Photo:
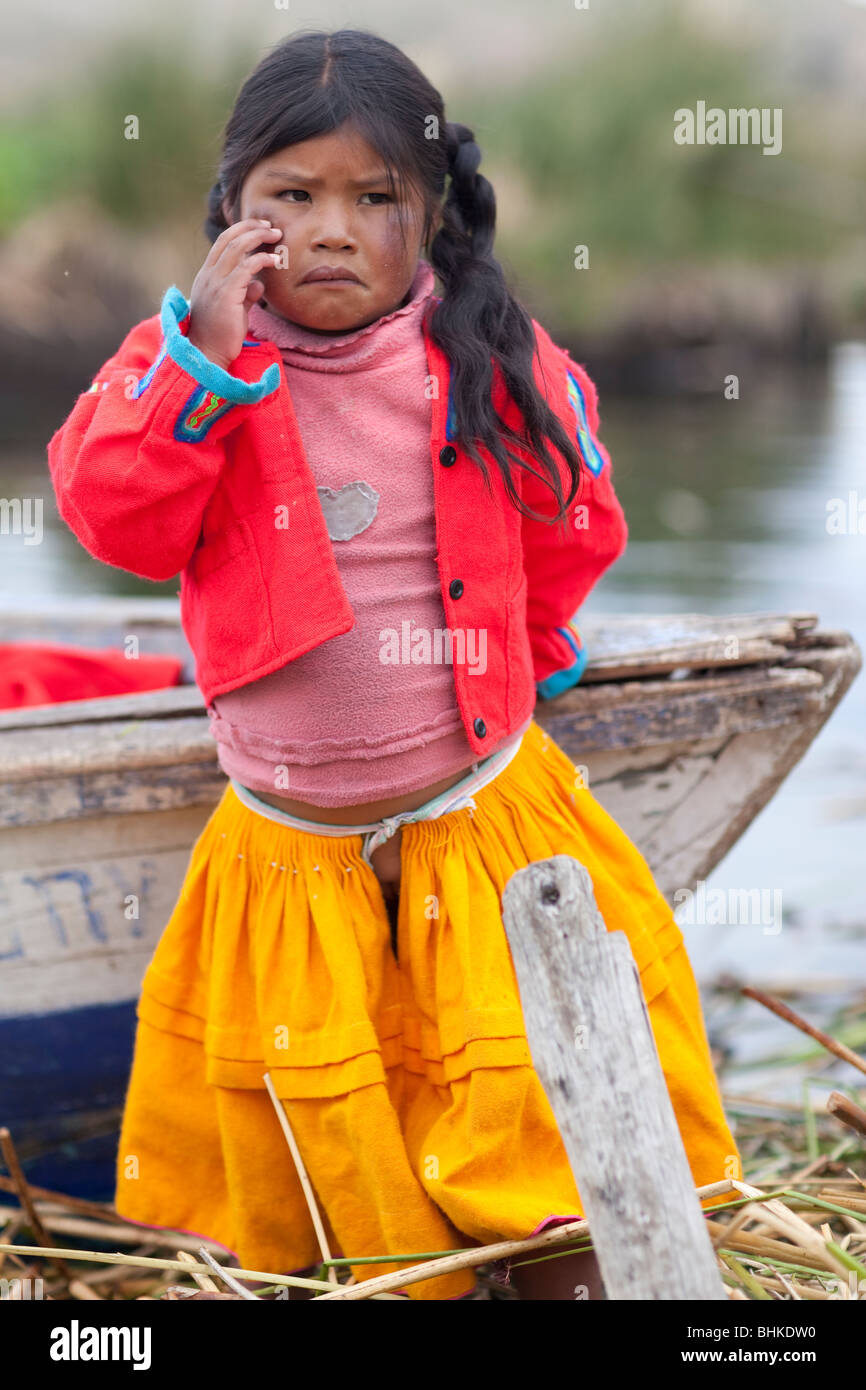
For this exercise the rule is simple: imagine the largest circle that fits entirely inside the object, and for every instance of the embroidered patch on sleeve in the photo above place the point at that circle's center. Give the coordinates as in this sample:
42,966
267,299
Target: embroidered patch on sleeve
200,411
571,633
588,446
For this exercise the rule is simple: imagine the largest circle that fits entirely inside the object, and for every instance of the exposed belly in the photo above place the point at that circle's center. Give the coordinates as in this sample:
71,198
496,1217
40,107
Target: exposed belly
364,811
385,859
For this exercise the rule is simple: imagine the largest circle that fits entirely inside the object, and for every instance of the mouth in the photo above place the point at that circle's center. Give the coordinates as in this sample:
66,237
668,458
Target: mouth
330,275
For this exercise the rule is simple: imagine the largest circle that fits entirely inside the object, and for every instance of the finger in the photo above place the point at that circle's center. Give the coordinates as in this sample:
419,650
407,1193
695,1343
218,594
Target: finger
241,244
225,238
255,290
246,224
243,273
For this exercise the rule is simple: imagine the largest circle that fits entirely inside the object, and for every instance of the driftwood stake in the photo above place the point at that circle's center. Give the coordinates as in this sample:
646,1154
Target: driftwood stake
593,1049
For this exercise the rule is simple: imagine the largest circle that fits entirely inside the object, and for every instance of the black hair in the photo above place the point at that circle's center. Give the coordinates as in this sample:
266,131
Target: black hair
314,82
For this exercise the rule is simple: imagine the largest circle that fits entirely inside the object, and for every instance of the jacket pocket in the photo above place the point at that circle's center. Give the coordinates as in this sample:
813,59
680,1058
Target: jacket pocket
225,605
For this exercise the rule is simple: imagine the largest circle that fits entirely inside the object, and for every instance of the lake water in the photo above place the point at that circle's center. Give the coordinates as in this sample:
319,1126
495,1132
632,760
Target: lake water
727,503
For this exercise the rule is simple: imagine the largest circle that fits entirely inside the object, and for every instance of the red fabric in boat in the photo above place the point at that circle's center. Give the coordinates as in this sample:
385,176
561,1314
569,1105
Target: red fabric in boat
43,673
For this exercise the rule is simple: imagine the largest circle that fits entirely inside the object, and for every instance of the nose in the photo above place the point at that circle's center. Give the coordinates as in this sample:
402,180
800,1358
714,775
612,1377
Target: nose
332,230
335,241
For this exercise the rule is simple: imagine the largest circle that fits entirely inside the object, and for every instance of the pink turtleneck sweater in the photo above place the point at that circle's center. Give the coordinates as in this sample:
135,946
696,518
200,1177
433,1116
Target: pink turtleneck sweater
369,714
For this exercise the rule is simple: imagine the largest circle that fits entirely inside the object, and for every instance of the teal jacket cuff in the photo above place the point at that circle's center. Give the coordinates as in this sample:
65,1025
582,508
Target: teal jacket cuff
174,310
568,676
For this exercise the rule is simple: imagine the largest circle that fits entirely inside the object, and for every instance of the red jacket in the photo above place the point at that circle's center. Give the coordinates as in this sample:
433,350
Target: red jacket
169,465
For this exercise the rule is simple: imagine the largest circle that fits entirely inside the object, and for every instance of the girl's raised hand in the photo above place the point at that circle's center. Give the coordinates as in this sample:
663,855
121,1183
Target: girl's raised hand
225,289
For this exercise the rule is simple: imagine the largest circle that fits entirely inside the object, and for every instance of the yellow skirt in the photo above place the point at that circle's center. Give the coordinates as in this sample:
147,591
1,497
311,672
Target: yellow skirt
407,1080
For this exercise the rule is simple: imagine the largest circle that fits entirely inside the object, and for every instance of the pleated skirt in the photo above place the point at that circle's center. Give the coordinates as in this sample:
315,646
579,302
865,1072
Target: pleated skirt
406,1077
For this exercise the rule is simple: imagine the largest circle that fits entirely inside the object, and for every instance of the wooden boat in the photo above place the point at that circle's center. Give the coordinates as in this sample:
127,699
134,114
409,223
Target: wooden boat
683,727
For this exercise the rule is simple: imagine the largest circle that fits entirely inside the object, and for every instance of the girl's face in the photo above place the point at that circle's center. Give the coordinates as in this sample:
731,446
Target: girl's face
329,198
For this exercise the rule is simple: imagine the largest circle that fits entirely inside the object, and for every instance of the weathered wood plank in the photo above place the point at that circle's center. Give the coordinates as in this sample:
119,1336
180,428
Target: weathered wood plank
682,765
100,837
118,791
684,804
617,715
112,746
617,645
619,634
748,774
593,1049
135,765
689,656
640,713
80,915
83,932
620,647
141,704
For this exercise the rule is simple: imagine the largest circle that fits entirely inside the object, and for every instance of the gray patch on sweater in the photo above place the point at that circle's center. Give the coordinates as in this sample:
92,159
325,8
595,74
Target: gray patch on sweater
348,511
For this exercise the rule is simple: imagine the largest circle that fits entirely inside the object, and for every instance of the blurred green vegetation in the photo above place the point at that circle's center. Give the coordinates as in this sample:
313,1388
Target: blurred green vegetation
72,142
590,140
594,143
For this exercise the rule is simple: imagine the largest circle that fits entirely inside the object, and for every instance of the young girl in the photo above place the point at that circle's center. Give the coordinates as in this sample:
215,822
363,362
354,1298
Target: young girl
357,481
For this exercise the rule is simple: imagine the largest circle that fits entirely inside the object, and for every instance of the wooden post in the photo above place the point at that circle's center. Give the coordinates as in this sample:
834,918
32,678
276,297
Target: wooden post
594,1052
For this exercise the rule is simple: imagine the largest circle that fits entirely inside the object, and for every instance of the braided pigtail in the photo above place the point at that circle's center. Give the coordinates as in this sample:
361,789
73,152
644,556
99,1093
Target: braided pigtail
478,320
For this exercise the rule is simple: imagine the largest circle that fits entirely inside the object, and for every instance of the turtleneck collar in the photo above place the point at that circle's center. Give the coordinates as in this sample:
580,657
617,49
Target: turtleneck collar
361,347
